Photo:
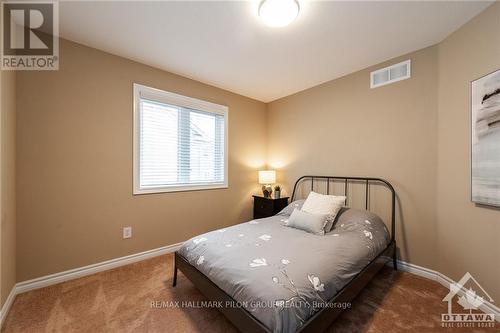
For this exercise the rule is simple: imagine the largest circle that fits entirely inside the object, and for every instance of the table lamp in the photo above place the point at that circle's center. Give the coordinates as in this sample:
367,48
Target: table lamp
266,178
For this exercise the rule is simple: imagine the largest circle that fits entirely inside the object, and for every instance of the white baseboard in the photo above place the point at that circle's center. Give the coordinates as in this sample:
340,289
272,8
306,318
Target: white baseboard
417,270
445,281
71,274
52,279
49,280
6,306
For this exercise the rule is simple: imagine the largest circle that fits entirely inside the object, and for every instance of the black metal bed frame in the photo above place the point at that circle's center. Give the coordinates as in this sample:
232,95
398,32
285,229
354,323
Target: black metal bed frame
322,319
367,182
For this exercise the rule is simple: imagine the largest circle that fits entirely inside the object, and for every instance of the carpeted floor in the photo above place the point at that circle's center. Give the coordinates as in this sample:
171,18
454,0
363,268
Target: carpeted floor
120,301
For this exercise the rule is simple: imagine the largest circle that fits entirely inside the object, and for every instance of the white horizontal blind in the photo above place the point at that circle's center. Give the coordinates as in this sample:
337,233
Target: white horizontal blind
178,146
159,141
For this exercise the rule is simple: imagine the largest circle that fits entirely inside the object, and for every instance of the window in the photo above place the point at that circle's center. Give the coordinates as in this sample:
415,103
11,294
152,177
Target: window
180,143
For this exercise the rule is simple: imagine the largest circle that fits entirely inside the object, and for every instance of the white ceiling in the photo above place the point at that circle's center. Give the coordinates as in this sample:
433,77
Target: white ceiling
225,44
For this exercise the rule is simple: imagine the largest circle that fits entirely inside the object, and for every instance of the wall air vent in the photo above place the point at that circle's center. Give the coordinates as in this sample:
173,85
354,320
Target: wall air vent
391,74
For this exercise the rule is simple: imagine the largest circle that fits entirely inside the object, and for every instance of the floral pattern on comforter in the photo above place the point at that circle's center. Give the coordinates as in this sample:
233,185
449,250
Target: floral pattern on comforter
284,275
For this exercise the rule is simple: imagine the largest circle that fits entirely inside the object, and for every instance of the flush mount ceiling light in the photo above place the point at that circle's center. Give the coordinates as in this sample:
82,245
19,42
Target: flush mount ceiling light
278,13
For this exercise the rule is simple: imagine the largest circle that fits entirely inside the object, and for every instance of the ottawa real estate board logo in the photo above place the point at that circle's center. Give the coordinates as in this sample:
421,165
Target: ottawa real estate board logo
30,31
468,305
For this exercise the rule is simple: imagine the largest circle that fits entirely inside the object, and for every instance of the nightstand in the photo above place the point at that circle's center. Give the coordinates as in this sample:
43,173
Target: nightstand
265,207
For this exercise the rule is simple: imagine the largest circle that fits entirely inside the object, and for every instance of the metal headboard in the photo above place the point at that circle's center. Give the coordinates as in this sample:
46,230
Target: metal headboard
346,180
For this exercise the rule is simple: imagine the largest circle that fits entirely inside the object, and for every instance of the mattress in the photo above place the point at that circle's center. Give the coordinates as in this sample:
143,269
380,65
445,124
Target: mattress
282,275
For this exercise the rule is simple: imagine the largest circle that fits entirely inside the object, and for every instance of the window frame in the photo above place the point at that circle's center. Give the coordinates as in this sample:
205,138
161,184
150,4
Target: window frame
182,101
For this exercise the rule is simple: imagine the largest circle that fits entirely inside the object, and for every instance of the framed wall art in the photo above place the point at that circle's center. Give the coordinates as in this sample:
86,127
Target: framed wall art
485,141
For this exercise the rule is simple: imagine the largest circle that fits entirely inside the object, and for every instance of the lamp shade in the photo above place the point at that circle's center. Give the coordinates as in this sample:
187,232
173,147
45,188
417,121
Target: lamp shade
267,177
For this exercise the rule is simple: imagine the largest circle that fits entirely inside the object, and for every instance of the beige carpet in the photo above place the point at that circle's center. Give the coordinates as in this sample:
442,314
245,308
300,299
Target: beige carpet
120,301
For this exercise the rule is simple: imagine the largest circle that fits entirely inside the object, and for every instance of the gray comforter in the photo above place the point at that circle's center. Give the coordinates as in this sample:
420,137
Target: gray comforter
284,275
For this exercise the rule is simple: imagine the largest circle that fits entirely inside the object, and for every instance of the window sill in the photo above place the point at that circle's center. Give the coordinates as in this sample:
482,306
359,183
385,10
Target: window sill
184,188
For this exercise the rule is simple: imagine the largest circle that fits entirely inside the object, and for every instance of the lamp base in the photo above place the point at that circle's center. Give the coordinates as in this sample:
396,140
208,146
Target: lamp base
267,190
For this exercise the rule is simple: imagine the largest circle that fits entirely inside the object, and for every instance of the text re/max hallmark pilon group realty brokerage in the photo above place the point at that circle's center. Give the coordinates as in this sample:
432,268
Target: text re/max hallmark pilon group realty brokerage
247,305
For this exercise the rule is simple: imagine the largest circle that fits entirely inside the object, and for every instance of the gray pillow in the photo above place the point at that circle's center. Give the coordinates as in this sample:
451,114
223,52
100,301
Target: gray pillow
349,216
288,210
313,223
332,219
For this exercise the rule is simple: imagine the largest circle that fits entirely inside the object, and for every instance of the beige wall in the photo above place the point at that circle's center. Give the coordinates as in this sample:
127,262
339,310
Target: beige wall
415,134
343,127
74,153
75,164
7,184
468,235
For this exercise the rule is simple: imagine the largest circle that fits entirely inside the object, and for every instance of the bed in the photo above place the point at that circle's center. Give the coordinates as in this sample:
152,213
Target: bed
267,277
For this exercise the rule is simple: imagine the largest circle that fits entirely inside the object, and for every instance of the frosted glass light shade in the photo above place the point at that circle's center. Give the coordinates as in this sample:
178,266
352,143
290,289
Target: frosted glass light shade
267,177
278,13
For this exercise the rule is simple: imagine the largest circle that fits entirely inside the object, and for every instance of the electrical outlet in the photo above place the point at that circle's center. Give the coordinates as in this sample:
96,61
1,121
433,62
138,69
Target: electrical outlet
127,232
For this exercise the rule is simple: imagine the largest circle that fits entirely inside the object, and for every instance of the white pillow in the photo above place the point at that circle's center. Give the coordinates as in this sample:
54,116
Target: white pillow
313,223
323,204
